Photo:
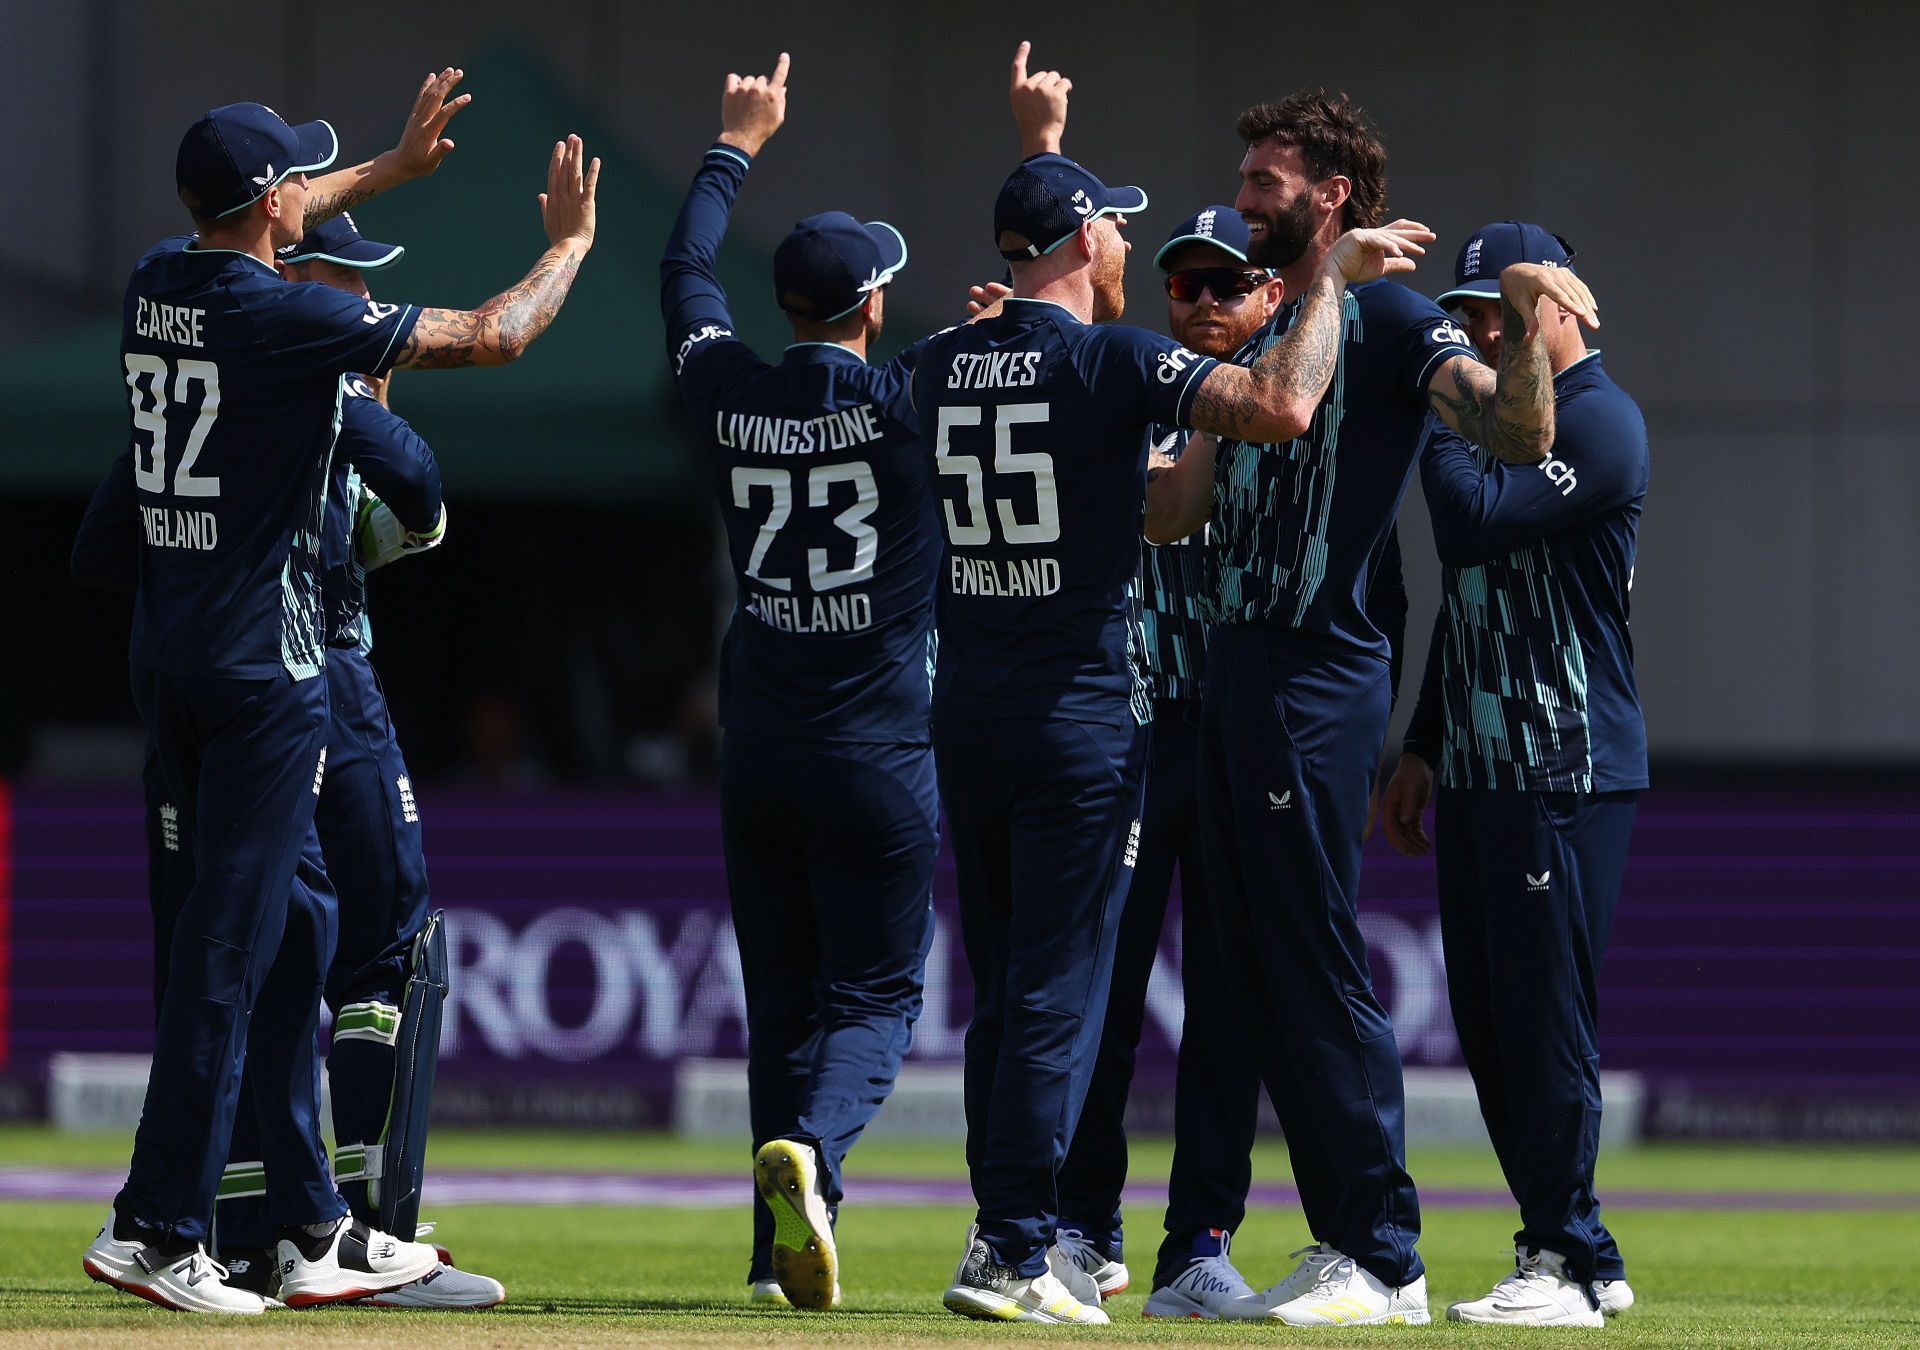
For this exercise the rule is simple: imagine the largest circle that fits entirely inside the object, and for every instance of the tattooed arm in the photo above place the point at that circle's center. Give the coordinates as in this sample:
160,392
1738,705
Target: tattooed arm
500,330
1511,414
1274,399
419,153
1179,491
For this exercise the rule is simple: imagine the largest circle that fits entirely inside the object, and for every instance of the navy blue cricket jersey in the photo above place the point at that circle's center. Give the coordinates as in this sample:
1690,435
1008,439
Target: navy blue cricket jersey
1173,581
234,384
1299,528
1040,424
379,449
1529,683
823,490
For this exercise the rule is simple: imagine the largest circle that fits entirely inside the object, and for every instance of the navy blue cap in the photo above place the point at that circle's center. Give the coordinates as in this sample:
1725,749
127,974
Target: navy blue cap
232,155
1491,249
828,264
339,241
1048,198
1218,226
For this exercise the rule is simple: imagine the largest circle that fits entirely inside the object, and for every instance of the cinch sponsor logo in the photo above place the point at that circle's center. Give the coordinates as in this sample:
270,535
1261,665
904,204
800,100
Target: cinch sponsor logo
698,335
1173,363
1561,472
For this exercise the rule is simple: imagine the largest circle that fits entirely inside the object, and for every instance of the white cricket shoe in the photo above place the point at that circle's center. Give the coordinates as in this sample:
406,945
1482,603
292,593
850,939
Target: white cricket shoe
767,1294
1109,1277
985,1289
1613,1296
1254,1307
444,1286
1536,1293
350,1262
1345,1295
805,1264
185,1279
1206,1289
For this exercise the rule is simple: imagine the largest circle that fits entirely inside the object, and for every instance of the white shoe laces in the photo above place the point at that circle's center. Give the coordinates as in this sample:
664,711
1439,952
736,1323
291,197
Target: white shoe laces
200,1264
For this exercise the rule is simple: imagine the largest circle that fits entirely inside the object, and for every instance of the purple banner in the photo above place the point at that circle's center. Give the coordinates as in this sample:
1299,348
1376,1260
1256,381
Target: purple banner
1764,974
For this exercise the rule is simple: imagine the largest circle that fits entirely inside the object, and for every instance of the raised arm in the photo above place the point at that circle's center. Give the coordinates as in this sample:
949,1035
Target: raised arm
501,329
1039,104
1274,399
752,109
1511,413
422,146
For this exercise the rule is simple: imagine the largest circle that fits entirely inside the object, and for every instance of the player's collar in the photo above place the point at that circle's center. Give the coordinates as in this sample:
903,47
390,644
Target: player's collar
191,246
819,351
1591,357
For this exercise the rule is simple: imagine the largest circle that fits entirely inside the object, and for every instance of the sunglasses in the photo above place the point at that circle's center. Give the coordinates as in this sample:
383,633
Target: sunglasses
1226,283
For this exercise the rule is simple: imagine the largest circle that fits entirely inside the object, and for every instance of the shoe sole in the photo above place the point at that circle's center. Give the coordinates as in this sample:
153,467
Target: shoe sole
154,1296
805,1264
363,1287
987,1307
1410,1319
1453,1315
377,1302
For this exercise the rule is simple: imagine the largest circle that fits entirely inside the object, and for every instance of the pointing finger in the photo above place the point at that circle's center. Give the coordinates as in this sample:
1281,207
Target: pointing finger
780,71
1020,60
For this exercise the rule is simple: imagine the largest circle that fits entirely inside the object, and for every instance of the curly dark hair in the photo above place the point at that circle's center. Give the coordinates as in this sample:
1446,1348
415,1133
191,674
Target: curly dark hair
1334,137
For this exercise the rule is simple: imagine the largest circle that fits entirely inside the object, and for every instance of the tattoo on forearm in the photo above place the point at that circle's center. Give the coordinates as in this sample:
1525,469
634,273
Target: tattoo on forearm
1293,371
1511,414
322,207
498,331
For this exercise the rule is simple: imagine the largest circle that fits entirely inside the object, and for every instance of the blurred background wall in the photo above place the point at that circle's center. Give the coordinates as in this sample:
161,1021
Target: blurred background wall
1734,191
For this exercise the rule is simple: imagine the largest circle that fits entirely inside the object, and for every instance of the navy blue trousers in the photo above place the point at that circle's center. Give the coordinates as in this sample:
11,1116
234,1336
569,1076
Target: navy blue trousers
1528,886
1217,1086
1045,818
830,851
241,762
368,832
1291,736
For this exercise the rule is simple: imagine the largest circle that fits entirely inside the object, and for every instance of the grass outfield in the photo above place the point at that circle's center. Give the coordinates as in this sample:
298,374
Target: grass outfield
1752,1277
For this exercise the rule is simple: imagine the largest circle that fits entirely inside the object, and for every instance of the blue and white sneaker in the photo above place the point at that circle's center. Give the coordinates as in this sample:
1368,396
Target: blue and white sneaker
1208,1287
1109,1276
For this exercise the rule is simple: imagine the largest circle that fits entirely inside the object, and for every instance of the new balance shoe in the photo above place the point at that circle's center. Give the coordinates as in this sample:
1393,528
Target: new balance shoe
346,1261
1343,1294
1613,1296
444,1286
985,1289
1312,1260
1207,1288
1535,1293
176,1274
767,1294
805,1264
255,1270
1109,1276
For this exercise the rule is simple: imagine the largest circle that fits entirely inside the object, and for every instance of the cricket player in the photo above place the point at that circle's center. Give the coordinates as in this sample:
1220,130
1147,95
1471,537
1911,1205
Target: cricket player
1216,301
1530,713
234,382
1039,417
827,795
1298,686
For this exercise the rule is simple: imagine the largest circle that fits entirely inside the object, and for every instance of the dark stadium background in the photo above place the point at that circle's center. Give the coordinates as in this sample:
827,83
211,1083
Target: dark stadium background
1736,193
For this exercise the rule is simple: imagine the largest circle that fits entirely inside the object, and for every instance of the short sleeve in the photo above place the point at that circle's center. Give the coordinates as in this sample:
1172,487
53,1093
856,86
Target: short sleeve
1425,337
1154,378
315,327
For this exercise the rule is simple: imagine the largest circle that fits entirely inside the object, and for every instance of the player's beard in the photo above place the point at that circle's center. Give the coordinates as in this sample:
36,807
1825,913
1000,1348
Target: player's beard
1110,284
1289,231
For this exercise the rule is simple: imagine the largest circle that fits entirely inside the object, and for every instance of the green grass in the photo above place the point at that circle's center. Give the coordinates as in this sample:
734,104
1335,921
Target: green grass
676,1277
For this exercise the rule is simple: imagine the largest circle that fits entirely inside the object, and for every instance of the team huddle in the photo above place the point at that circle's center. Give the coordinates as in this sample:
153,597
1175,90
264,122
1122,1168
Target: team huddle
1118,605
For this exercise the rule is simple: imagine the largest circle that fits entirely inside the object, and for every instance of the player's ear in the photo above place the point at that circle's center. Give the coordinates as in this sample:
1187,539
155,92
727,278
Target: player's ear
1334,192
1085,243
1271,295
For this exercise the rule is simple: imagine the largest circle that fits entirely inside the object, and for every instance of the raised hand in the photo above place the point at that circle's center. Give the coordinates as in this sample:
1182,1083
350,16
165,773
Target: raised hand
567,206
1039,105
423,144
1367,255
1526,286
752,107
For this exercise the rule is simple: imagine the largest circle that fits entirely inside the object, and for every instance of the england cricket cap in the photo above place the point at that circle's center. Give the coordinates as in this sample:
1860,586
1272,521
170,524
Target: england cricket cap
1491,249
1048,198
828,264
339,241
232,155
1218,226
